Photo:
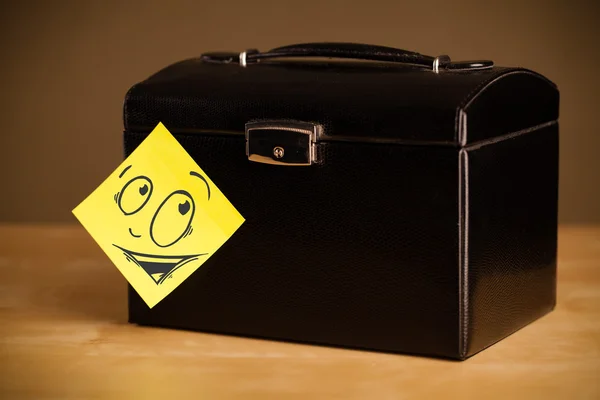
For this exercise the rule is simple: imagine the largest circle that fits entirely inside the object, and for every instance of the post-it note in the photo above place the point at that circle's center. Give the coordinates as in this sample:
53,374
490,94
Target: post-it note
158,216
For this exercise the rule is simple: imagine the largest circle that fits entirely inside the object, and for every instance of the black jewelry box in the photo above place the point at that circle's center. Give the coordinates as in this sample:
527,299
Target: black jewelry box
400,203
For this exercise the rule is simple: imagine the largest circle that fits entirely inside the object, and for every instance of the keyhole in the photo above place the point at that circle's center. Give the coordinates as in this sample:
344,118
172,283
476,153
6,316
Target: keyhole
278,152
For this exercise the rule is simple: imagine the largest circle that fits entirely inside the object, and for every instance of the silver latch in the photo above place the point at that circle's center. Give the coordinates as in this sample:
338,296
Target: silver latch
282,142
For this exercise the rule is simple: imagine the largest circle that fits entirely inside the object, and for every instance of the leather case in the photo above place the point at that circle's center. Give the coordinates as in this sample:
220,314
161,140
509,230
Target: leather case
418,213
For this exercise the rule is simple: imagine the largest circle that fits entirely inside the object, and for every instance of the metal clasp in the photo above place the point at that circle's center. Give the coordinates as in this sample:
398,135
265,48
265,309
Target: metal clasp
282,142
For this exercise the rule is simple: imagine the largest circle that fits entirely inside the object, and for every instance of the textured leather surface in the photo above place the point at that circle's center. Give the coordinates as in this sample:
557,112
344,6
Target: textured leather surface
441,248
512,217
360,251
353,101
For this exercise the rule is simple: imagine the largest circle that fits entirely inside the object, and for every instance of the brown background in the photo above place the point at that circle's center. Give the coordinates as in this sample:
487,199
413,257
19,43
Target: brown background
66,66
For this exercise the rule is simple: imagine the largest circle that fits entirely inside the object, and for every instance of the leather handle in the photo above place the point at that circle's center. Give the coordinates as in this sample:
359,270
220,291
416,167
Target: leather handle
346,51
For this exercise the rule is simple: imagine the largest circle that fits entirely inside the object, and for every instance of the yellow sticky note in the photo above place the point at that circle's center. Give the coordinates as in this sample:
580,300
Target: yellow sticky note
158,216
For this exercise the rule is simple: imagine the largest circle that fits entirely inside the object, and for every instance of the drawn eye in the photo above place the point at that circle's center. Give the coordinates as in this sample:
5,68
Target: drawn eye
172,219
134,195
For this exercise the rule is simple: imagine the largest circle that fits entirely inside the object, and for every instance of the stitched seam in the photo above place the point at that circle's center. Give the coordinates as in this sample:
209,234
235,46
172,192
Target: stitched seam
322,139
463,184
506,136
462,127
352,52
460,252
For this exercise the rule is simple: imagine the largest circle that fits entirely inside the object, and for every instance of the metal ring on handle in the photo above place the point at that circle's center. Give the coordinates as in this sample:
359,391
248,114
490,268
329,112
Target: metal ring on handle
440,61
243,56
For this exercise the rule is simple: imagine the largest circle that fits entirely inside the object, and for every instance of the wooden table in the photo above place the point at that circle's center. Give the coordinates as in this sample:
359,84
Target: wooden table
63,334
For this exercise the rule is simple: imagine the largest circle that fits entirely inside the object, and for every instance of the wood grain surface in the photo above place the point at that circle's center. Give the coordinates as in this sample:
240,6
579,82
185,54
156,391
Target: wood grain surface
64,334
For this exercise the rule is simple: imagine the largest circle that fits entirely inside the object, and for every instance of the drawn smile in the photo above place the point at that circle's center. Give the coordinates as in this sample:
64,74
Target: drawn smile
158,267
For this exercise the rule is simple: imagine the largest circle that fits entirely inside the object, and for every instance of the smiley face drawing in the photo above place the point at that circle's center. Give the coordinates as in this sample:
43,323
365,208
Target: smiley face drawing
158,216
171,222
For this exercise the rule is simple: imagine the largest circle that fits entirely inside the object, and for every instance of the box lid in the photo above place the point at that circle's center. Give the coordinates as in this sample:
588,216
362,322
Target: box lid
353,101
